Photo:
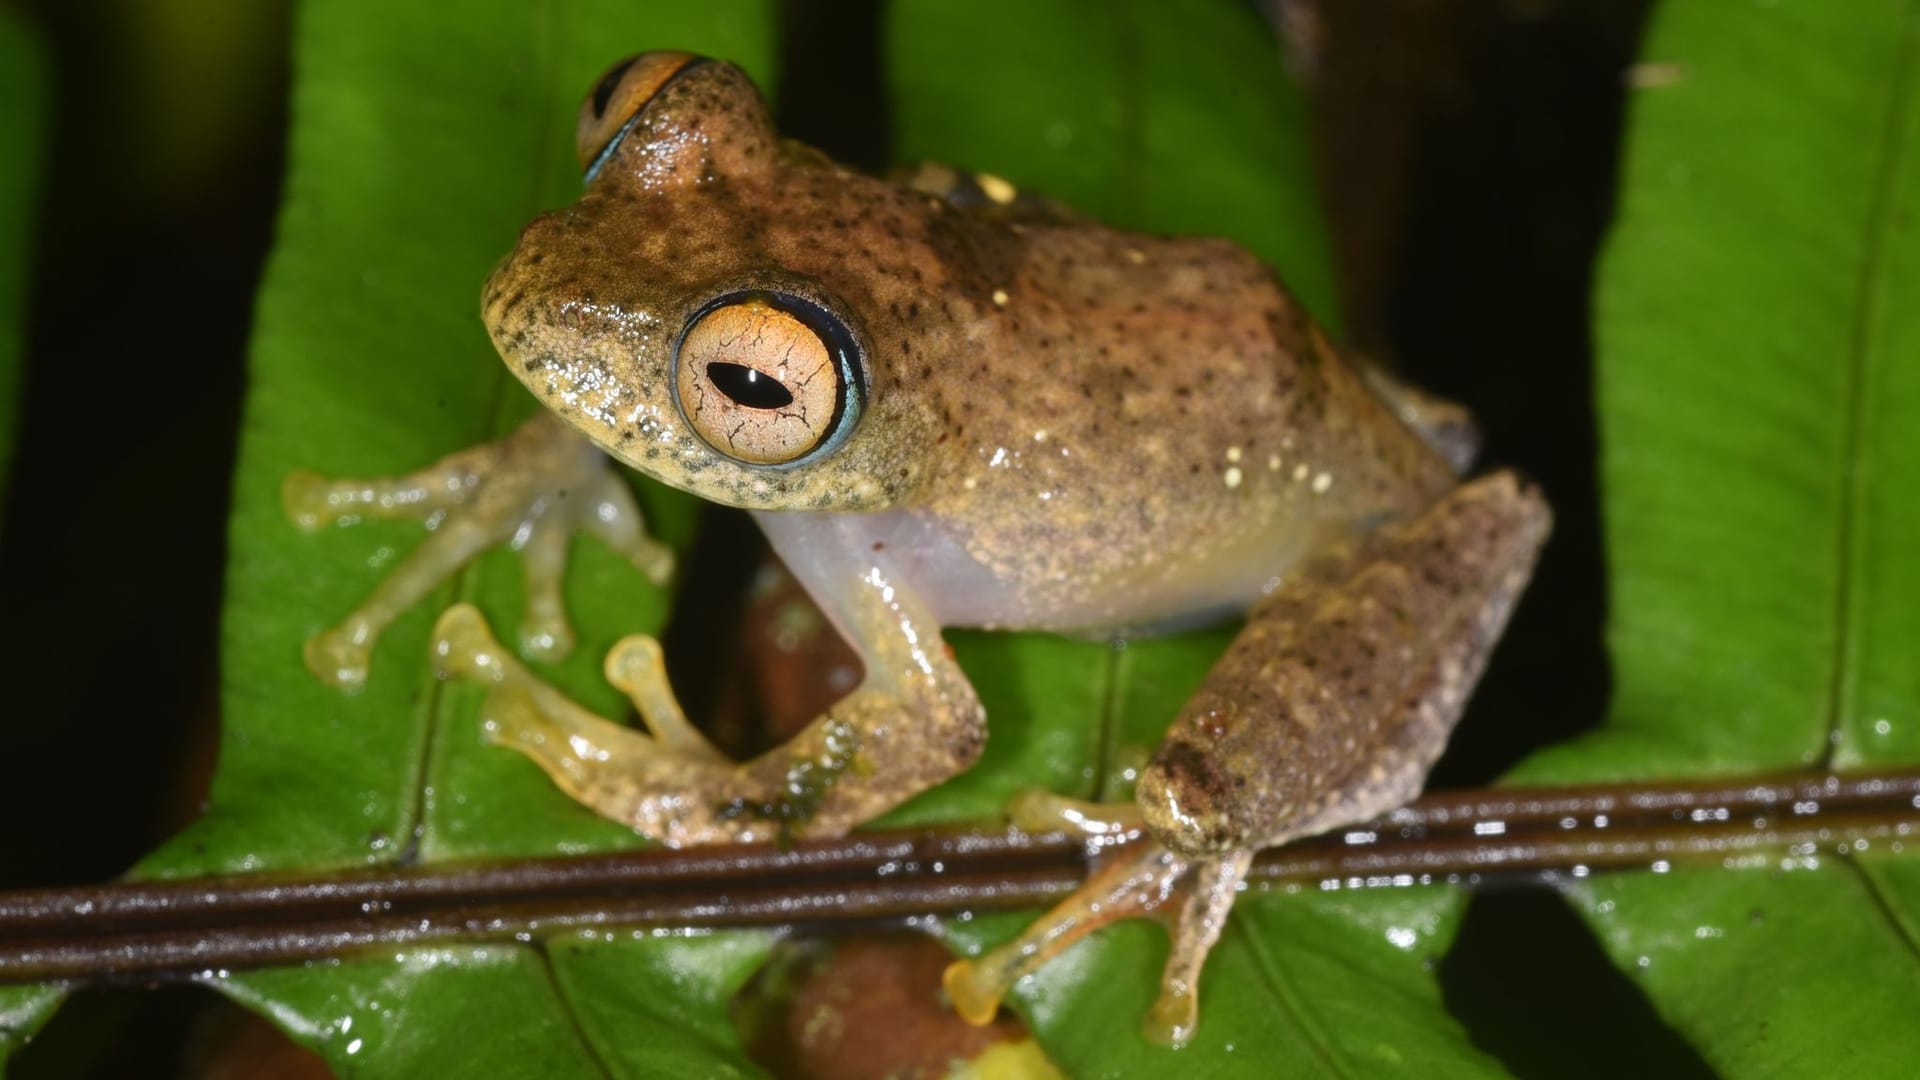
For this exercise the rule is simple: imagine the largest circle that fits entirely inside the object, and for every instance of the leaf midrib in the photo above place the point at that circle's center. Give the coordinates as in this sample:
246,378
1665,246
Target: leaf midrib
432,715
1274,975
1862,356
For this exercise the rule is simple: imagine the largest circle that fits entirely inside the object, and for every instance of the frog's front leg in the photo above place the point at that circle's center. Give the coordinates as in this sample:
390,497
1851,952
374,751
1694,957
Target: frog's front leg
1329,708
532,490
913,722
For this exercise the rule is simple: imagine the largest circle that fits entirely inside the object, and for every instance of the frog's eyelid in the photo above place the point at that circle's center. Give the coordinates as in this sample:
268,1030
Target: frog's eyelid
605,91
606,151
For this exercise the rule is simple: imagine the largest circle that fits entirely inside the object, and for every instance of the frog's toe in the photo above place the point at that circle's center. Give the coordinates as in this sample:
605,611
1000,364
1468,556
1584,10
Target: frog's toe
544,631
303,498
638,667
614,518
531,491
545,639
1037,810
339,657
1147,880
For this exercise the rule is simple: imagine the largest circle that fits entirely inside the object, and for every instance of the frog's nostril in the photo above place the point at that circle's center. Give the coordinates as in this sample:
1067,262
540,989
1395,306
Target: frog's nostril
748,387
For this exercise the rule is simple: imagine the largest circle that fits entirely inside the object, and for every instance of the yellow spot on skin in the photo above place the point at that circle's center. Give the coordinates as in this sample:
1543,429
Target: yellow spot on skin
1322,482
1273,462
1299,472
1040,436
999,298
1136,256
1233,453
970,483
996,189
1232,476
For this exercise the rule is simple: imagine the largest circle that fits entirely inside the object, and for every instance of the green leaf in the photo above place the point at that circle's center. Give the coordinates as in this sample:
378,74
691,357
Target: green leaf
1759,369
22,99
1171,118
423,138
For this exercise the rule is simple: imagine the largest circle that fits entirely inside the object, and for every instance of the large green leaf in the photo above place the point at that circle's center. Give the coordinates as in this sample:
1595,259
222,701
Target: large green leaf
1173,118
423,138
1759,372
22,94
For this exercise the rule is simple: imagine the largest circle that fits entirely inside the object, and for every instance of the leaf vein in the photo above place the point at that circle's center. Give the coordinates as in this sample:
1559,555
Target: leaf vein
1870,307
567,1010
1273,975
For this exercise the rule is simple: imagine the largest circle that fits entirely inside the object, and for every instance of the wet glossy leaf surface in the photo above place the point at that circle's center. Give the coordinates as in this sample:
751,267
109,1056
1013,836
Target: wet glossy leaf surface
1759,368
423,138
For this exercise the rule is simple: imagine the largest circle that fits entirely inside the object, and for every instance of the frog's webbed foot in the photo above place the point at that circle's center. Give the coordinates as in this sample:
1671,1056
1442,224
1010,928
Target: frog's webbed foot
669,782
1190,896
530,490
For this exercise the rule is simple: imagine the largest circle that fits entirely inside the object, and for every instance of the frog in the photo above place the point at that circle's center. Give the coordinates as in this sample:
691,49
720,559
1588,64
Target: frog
950,403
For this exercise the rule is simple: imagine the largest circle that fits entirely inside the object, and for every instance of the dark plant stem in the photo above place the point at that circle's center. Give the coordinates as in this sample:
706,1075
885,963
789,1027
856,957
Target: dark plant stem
210,925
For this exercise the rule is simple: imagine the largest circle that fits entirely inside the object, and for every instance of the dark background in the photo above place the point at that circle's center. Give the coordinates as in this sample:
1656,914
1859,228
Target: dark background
1467,154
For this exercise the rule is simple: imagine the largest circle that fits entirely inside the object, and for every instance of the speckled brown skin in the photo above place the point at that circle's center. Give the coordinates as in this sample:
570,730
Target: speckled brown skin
1337,697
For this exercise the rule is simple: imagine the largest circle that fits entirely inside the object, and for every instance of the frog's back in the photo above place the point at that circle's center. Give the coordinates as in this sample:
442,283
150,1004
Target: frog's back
1137,429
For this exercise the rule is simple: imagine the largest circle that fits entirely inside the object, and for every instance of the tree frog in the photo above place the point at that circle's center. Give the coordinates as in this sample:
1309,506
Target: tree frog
948,403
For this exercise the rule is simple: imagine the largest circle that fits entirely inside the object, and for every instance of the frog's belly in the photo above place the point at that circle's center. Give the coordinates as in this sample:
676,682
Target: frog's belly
958,589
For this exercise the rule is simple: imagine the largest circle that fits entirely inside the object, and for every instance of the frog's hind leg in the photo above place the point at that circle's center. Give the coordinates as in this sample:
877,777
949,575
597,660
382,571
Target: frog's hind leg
1444,425
1329,708
530,490
1192,897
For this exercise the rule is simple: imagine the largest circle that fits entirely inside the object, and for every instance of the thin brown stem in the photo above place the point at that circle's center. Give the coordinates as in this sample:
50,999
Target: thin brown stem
214,924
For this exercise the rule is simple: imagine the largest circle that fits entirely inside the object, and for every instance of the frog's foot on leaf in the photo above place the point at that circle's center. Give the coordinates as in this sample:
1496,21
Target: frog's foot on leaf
530,490
1191,896
669,783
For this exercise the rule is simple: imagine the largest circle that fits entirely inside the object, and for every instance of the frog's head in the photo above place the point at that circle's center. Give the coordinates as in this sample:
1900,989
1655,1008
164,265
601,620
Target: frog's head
672,316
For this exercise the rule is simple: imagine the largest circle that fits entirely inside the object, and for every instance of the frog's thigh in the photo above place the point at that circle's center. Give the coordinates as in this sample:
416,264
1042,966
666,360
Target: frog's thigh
1340,692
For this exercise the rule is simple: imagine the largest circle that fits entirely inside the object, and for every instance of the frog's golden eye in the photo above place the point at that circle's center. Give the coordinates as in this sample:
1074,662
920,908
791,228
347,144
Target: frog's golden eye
615,103
768,378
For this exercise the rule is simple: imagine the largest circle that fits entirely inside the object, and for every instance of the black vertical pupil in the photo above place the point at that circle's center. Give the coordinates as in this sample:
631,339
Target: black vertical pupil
748,387
603,92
